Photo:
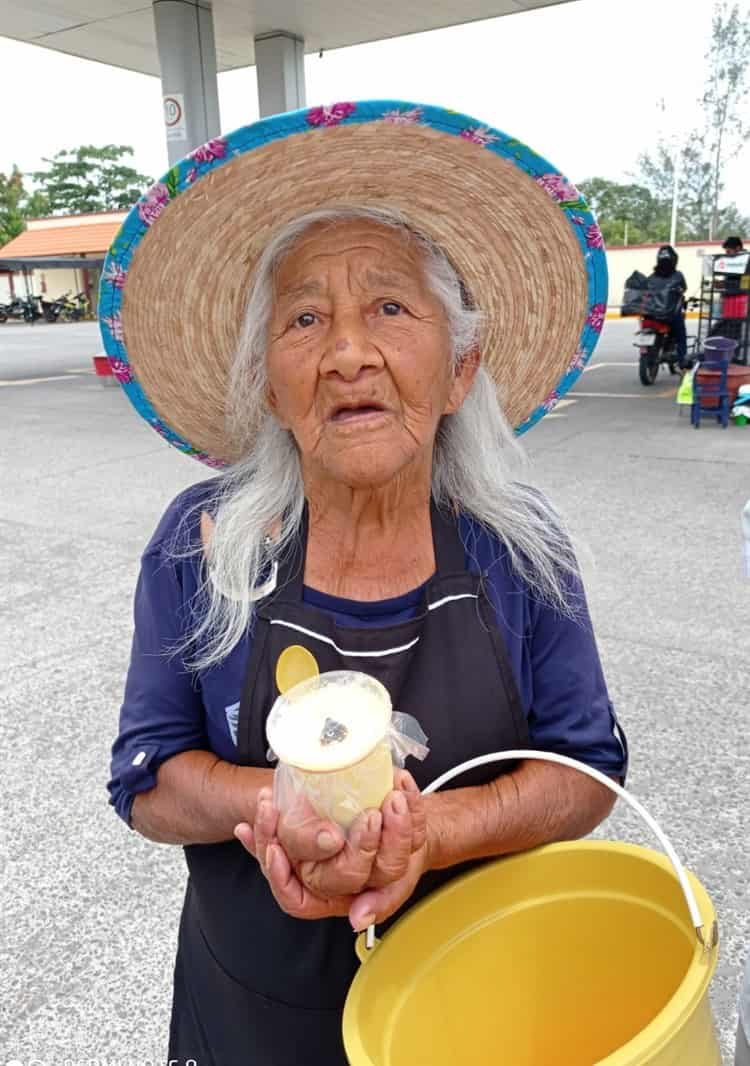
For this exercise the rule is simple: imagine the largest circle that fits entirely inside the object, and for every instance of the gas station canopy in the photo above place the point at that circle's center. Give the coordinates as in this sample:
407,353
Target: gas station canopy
187,42
121,32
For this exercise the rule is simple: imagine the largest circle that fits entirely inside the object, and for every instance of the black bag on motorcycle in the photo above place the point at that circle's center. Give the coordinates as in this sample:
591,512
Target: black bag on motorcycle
636,290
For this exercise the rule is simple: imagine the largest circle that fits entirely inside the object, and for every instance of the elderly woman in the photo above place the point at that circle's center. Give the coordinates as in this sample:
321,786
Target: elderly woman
403,276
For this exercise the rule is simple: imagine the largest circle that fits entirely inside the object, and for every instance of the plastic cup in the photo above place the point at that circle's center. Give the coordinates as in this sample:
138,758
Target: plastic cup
331,736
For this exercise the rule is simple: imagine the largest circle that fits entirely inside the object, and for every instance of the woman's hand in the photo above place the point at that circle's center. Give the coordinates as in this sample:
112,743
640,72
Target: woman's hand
379,848
376,905
262,841
314,872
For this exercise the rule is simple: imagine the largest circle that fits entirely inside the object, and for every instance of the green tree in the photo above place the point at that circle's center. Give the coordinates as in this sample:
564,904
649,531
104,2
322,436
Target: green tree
83,180
626,210
722,133
725,94
17,204
698,219
12,221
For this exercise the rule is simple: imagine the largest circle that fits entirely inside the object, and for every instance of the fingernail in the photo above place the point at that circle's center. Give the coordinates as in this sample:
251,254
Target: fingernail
361,924
326,840
375,822
271,857
399,804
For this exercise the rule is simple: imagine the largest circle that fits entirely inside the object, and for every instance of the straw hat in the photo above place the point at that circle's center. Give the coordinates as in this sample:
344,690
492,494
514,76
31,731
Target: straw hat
177,277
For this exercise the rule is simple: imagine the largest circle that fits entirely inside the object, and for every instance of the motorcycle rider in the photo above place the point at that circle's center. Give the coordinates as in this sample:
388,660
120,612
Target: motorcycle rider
666,278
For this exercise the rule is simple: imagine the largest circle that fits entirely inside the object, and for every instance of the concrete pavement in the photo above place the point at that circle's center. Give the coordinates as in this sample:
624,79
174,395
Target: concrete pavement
89,910
43,350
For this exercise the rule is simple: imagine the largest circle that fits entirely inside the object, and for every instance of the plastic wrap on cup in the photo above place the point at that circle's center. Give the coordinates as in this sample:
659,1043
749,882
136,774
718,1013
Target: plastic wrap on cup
338,740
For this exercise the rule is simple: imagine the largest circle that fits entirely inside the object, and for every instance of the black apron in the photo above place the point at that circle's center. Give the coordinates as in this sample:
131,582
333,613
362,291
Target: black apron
253,986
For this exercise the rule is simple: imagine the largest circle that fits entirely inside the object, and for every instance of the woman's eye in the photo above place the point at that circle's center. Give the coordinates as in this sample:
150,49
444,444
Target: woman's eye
392,308
305,320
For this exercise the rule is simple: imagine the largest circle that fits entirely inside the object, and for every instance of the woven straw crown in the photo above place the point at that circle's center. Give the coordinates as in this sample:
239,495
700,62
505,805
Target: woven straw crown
177,278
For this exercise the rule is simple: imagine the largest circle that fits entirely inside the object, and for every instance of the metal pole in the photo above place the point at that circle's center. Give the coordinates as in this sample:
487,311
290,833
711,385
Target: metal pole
187,58
675,192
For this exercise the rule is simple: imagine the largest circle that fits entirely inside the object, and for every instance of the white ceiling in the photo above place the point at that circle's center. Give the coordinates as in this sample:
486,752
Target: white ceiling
121,32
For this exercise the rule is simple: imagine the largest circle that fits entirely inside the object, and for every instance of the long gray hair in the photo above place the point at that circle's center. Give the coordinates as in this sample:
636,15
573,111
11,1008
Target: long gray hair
476,465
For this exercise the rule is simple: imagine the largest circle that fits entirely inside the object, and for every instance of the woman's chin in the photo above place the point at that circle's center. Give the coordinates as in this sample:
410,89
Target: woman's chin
364,468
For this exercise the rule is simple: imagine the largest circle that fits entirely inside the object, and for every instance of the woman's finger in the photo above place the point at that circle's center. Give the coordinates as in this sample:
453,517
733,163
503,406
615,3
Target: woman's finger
266,822
417,810
244,833
347,873
379,904
306,837
395,848
293,897
287,890
403,780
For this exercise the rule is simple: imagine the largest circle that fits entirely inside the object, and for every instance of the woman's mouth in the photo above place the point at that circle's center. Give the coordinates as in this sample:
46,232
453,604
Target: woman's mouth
360,413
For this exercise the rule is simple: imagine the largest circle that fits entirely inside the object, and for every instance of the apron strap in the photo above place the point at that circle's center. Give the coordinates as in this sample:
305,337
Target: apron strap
450,555
291,574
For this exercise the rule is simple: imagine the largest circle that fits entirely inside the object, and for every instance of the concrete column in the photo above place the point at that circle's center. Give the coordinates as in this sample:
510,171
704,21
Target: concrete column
187,57
280,68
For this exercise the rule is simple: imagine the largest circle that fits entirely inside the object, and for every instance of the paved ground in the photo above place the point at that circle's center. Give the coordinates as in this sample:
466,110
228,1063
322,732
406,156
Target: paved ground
41,350
89,910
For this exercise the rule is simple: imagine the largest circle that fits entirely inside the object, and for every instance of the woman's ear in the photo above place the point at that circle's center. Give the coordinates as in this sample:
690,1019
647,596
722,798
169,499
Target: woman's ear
272,404
463,379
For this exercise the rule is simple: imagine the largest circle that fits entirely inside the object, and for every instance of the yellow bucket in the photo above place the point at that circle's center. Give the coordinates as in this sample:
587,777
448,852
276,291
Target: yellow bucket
574,954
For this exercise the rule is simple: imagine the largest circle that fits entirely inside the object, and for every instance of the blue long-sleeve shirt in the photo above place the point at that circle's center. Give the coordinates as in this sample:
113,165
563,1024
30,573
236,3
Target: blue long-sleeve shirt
168,709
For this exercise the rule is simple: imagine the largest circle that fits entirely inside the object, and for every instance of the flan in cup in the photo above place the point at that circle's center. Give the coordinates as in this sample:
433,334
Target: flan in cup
331,736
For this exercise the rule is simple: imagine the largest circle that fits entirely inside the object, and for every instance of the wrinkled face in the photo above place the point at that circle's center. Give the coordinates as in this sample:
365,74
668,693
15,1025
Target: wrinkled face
359,357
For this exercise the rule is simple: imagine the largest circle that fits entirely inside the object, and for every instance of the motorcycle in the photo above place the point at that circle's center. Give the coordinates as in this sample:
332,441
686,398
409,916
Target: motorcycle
21,309
655,341
71,308
657,346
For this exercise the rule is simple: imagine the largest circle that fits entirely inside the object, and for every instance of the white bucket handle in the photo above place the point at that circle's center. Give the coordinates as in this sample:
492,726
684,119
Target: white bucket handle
708,942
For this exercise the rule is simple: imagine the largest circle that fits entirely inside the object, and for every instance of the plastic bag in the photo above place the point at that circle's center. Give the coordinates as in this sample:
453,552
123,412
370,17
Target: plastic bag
341,795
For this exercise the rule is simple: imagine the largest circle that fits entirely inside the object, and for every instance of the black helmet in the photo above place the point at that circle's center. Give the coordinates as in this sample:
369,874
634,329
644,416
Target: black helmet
667,252
666,260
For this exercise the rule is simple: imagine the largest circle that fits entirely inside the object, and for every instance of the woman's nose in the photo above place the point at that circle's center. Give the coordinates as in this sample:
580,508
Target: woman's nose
350,348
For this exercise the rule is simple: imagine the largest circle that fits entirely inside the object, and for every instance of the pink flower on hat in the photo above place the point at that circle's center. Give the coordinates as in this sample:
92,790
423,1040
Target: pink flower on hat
558,187
215,149
209,460
114,325
116,276
479,135
121,370
594,237
191,175
578,362
153,203
596,318
331,115
578,219
403,118
551,400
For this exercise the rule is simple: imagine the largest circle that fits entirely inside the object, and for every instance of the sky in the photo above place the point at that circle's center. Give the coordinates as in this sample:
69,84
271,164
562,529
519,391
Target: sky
580,83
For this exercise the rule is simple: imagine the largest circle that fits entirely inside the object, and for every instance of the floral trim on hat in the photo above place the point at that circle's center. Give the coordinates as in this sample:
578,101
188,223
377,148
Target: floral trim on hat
220,150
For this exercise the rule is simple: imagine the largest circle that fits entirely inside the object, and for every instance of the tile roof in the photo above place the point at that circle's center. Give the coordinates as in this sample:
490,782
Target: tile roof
88,239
